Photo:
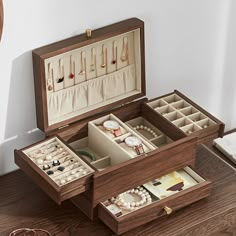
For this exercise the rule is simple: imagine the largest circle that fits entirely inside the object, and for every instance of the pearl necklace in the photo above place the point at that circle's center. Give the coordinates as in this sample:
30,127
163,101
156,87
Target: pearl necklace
143,127
132,205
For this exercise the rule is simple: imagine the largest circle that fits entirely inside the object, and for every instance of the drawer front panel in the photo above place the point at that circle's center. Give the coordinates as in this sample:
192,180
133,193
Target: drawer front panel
143,169
151,212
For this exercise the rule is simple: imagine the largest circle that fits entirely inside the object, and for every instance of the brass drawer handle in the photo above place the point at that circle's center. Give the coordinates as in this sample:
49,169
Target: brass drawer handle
168,210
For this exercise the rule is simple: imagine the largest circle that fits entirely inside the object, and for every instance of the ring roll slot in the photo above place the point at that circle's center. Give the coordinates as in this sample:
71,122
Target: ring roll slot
191,128
161,141
172,98
205,123
189,111
157,103
180,105
182,122
175,115
165,110
197,117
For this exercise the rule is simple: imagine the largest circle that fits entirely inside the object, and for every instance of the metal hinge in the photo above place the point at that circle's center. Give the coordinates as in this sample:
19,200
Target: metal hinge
62,127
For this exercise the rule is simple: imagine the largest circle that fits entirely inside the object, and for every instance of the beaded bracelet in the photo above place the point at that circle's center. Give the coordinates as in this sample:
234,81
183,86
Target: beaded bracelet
132,205
143,127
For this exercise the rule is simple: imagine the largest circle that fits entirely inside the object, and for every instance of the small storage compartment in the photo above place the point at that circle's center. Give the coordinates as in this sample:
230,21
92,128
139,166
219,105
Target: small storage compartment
187,117
152,200
116,162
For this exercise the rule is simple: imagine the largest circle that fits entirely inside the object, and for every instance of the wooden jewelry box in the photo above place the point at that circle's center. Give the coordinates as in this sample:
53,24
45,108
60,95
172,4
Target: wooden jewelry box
123,159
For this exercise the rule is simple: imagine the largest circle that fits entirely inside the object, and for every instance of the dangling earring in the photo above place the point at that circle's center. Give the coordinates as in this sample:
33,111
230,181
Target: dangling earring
61,72
72,69
50,78
125,50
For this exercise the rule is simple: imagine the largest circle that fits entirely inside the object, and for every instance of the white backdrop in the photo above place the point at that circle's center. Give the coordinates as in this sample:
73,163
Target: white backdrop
189,46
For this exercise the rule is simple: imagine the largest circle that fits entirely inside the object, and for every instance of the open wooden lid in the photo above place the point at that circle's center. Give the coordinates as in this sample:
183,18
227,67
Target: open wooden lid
89,73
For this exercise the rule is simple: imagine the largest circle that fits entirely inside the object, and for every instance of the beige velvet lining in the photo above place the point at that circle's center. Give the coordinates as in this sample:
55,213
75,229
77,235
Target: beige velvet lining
93,85
99,91
71,168
181,113
158,141
108,149
187,173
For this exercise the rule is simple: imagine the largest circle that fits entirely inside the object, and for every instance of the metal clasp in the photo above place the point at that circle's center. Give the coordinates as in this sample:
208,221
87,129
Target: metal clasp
168,210
88,33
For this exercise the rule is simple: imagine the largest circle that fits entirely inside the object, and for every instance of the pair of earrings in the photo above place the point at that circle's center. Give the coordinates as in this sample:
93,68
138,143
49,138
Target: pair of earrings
54,163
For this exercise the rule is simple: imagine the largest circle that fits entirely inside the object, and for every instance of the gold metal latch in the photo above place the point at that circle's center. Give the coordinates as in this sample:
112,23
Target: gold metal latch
63,126
168,210
88,33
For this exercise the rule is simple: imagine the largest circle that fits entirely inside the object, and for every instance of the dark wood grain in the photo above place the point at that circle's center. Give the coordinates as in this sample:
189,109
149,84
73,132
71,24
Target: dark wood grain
140,170
40,54
57,193
22,204
133,172
155,210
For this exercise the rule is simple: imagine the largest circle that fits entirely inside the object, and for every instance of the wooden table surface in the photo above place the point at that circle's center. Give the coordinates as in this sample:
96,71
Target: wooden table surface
23,204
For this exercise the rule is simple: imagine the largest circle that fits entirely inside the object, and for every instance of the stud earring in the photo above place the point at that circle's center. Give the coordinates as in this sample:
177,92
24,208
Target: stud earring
46,167
61,168
50,172
55,163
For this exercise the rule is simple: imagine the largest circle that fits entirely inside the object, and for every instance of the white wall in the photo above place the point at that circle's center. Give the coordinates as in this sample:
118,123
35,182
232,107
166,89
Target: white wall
189,46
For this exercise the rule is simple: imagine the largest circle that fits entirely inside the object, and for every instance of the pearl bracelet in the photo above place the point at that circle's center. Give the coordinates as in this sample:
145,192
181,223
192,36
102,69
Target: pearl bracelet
143,127
142,193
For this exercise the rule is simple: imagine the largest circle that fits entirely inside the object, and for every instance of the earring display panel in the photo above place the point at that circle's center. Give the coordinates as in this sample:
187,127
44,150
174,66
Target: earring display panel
92,76
181,113
58,162
152,192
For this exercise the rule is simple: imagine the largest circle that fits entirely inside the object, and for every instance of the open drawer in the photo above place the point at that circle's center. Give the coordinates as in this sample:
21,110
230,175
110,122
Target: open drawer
55,167
152,200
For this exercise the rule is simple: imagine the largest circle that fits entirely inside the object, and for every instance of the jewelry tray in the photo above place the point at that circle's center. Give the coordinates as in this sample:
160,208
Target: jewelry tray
86,80
189,187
